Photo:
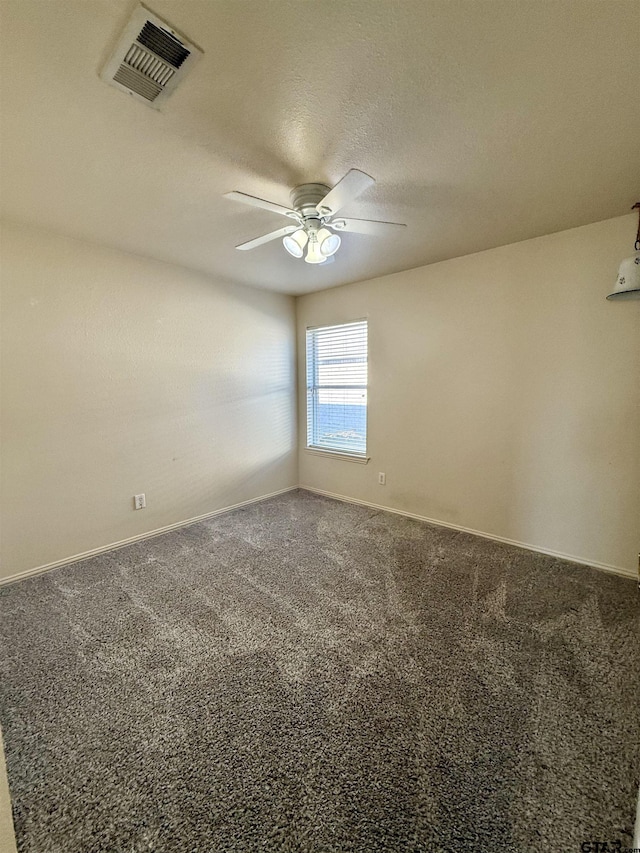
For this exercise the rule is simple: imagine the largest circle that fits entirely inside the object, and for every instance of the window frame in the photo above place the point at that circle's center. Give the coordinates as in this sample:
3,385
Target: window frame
319,450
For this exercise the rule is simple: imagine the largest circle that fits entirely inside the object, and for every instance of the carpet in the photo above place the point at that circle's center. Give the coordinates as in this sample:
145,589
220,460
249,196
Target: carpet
307,675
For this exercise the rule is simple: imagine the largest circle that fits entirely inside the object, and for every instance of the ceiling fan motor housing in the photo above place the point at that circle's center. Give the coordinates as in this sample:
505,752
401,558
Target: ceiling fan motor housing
306,198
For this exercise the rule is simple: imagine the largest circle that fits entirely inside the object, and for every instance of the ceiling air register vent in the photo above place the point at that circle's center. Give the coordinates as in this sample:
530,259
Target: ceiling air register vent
150,59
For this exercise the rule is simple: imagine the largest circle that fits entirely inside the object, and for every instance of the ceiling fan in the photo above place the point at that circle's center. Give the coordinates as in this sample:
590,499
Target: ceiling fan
314,208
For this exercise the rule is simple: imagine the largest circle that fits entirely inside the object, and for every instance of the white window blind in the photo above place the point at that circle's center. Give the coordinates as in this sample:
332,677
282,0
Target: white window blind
337,388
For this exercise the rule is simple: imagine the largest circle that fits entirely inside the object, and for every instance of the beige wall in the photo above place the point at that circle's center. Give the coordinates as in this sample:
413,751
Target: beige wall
504,394
123,375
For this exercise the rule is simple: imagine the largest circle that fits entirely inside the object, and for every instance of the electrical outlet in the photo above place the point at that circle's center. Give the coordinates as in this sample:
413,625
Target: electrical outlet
139,501
382,478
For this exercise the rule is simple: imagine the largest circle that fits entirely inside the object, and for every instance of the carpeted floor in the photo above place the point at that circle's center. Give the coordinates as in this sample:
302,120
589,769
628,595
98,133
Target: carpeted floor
306,675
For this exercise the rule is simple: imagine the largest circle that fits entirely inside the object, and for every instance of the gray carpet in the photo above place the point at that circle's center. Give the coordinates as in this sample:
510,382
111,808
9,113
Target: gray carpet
305,675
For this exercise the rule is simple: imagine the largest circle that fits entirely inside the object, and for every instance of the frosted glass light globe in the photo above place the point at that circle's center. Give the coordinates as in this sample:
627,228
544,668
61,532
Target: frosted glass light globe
314,255
295,243
329,243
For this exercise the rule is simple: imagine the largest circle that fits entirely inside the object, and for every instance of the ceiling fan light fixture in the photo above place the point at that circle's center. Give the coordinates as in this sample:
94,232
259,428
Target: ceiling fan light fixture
295,243
313,207
329,243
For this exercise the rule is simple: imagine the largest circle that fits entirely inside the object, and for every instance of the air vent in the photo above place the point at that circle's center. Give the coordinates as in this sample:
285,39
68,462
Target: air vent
150,59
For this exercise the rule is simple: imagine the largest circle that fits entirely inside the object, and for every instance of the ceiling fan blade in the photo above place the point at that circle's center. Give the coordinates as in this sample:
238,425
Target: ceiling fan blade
266,238
260,202
365,226
353,183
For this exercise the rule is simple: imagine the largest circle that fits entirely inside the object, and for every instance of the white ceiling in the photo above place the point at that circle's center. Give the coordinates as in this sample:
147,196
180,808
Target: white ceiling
484,123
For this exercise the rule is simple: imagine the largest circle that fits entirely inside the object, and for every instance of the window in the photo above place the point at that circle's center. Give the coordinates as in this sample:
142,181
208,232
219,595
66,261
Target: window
337,388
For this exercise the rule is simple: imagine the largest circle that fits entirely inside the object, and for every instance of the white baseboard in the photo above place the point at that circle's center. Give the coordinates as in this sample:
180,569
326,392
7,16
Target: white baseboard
616,570
38,570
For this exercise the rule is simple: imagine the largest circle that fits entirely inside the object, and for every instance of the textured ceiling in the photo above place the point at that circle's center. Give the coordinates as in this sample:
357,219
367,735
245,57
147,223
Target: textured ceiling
484,123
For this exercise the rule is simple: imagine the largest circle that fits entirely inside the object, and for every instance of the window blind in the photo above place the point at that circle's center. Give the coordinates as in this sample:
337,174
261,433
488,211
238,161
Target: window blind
337,388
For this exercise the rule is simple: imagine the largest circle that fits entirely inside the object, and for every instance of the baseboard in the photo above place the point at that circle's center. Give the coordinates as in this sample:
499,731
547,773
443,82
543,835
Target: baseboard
38,570
616,570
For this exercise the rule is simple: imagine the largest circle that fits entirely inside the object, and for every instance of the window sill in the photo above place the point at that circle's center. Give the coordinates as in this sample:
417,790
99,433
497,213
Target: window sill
337,454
